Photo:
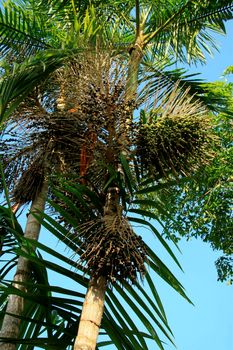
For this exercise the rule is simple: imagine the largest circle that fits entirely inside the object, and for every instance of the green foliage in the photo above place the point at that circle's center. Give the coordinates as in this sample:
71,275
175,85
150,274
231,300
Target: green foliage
202,205
52,313
224,266
44,40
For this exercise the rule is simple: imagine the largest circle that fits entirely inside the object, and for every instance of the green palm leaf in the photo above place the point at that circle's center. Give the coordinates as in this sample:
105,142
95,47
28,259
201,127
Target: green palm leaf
21,32
112,303
74,245
181,27
26,76
156,77
63,306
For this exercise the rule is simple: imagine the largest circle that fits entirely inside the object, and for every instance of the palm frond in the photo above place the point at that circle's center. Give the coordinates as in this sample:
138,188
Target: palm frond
22,33
10,236
182,29
215,13
69,237
26,29
158,77
14,87
66,304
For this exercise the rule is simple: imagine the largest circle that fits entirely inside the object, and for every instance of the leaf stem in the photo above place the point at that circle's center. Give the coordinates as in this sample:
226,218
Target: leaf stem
137,6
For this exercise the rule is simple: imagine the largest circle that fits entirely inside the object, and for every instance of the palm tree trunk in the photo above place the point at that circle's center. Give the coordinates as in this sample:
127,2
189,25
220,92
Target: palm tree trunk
93,306
131,88
133,67
91,316
15,305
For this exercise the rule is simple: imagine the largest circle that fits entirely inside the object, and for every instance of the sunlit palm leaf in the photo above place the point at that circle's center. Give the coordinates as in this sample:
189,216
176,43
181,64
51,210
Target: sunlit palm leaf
180,27
20,32
156,78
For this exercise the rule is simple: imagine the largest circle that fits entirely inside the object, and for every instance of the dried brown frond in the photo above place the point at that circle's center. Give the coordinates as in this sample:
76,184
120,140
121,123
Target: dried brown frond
54,140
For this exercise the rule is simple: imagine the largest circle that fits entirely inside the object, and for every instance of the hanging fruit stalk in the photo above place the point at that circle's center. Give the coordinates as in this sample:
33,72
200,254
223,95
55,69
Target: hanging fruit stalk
86,154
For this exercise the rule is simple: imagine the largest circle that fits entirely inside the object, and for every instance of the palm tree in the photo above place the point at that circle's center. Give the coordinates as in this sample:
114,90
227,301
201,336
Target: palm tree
106,49
31,171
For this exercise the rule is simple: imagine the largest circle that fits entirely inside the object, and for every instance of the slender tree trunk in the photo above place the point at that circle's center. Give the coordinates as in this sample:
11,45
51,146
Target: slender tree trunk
15,305
133,67
131,89
91,316
93,306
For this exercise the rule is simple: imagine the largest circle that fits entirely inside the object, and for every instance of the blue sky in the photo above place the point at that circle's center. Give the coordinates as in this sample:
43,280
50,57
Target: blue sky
208,324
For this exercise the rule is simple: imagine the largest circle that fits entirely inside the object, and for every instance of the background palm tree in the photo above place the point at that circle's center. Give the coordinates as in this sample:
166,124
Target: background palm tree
119,44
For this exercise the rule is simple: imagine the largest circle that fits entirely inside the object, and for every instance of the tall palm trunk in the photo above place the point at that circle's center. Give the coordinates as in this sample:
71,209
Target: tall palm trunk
15,305
93,306
133,67
91,316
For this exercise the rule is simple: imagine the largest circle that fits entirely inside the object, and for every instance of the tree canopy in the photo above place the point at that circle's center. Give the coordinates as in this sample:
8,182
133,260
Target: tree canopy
88,93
